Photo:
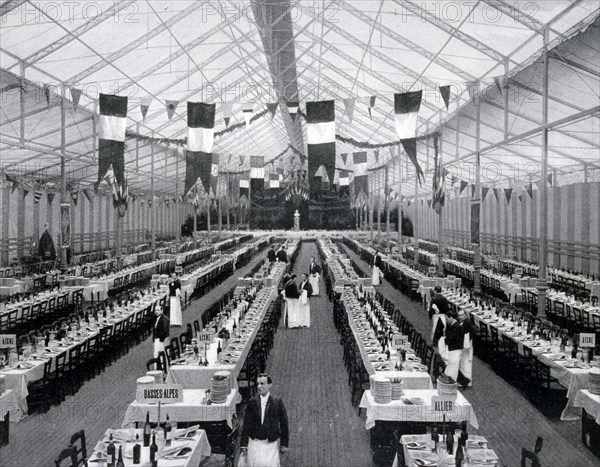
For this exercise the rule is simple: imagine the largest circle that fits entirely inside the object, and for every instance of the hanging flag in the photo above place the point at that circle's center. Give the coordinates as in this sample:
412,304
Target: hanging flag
226,111
406,109
37,196
344,178
370,102
344,157
439,198
47,92
214,172
293,109
111,142
508,194
498,84
120,198
392,151
171,106
550,180
75,96
472,87
349,106
50,197
320,130
145,102
463,185
25,192
274,181
484,192
361,178
445,92
244,187
473,191
520,197
257,174
453,180
529,188
247,109
272,108
201,134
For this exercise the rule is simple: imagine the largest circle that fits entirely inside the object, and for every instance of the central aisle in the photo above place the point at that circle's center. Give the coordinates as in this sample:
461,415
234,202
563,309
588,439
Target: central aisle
309,375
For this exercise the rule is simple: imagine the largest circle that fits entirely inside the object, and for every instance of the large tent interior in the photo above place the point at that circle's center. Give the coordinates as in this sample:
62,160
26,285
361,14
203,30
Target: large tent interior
189,158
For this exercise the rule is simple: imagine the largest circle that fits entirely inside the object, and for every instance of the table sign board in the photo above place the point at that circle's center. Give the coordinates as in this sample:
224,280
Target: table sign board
205,337
165,393
587,339
454,255
432,269
443,403
399,340
8,341
178,269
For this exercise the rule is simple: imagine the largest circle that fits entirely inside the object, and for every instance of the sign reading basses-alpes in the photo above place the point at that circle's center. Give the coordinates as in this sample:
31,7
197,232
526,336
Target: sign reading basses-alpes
164,393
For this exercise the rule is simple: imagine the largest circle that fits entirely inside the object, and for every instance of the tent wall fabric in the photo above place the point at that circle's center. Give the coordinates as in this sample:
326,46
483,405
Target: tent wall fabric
512,229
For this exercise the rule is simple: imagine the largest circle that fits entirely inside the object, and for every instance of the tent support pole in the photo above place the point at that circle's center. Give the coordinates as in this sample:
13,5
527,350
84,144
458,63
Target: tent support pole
153,202
63,179
542,284
440,254
475,203
416,219
399,203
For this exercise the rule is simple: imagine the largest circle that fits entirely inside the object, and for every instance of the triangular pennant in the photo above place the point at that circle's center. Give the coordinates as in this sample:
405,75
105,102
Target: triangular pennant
75,96
344,158
145,102
392,151
25,192
550,180
226,111
445,92
171,106
47,93
508,194
497,193
529,189
86,193
410,147
242,160
75,196
376,152
429,202
520,197
453,180
484,192
50,198
370,101
463,185
272,108
37,196
349,106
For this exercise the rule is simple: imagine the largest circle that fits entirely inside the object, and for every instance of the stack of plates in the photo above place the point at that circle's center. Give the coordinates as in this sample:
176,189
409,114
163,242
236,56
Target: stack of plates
225,374
446,386
593,381
396,388
157,375
219,389
381,388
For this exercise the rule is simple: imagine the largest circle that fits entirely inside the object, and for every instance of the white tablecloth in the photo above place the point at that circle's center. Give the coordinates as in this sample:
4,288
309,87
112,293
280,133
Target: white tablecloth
588,401
193,408
9,403
398,411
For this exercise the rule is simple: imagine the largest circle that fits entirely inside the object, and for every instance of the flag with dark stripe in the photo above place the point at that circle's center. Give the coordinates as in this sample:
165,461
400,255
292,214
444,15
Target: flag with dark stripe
320,130
257,174
361,178
201,133
406,109
111,142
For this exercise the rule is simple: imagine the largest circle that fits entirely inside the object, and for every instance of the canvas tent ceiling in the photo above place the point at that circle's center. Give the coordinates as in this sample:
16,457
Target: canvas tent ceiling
230,51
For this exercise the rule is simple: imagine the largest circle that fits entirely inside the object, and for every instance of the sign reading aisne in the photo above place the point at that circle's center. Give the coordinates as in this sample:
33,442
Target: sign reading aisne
165,393
205,337
8,341
587,339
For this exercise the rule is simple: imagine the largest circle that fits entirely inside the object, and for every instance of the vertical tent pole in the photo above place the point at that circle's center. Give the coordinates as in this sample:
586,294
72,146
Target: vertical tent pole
440,254
153,202
416,218
542,284
476,201
378,206
22,105
387,206
399,203
177,205
220,215
63,180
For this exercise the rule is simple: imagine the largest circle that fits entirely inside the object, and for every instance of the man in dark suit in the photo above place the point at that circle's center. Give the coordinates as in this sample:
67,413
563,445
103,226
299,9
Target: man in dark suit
305,285
454,342
265,433
439,301
282,255
314,272
160,332
291,289
271,255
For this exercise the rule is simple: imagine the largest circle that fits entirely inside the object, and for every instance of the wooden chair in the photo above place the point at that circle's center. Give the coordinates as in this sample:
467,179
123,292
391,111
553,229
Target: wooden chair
67,458
78,442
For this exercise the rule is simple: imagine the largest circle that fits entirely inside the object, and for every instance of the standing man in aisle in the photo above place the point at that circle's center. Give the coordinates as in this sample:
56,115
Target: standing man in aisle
271,255
175,300
265,434
160,332
315,272
282,255
377,263
454,344
465,373
304,302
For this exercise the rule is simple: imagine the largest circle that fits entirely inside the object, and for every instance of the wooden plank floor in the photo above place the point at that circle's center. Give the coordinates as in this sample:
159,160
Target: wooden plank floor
506,418
101,403
309,375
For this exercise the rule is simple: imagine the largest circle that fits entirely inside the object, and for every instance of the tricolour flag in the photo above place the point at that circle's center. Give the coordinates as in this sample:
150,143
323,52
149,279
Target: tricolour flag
226,111
320,131
214,172
244,187
111,142
344,181
293,109
361,179
274,181
145,102
257,173
406,109
247,111
37,196
201,133
438,181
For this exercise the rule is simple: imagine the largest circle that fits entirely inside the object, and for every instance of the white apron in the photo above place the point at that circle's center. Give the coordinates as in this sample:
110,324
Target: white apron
158,347
175,318
314,282
376,273
261,453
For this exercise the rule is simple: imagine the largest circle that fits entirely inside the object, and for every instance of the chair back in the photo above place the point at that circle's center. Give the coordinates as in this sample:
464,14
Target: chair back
78,442
67,458
529,459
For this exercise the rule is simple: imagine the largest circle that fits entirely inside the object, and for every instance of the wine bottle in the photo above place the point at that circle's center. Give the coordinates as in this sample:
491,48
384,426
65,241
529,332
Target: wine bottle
450,441
168,432
458,459
120,462
153,451
137,450
147,430
110,452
